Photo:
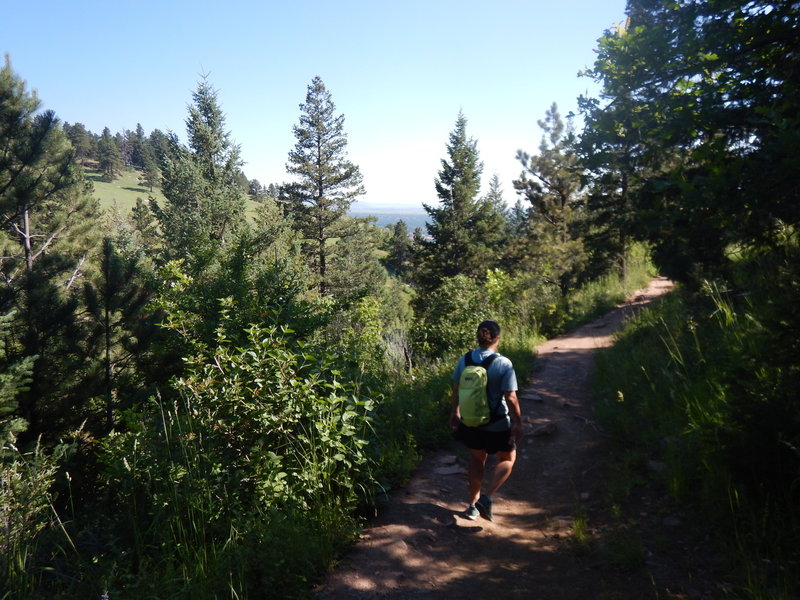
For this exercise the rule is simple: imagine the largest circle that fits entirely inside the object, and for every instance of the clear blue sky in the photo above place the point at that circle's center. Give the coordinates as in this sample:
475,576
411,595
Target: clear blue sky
399,72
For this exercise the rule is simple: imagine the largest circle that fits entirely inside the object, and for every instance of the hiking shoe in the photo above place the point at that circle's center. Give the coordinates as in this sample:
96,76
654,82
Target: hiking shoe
484,506
471,513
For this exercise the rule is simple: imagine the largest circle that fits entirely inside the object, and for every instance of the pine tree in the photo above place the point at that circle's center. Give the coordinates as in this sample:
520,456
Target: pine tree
47,232
120,329
493,228
355,271
399,249
327,182
162,148
151,175
138,142
551,182
205,204
518,220
144,158
464,232
81,141
125,144
109,156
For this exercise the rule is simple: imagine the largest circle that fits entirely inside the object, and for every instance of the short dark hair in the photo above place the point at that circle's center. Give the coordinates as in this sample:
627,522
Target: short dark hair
488,331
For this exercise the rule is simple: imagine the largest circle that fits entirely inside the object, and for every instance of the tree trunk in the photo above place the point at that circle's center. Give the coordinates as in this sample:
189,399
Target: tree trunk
26,239
323,269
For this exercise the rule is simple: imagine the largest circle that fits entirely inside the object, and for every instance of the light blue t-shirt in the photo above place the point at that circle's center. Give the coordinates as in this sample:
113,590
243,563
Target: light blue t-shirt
502,378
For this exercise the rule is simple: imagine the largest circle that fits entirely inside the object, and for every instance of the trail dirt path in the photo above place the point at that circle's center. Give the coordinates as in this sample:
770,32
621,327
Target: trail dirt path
420,546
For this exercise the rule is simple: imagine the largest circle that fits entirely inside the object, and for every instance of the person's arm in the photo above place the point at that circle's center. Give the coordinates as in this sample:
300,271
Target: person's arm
516,414
455,414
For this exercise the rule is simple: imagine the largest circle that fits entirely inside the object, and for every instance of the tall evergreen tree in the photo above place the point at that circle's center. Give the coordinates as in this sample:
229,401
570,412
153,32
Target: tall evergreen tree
47,226
150,175
327,181
125,144
495,195
551,182
354,269
493,228
399,249
518,221
143,157
138,142
81,140
464,231
109,156
205,204
256,190
120,330
162,148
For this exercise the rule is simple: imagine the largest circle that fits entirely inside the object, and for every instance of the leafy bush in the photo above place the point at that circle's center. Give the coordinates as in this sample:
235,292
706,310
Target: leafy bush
259,456
524,305
450,315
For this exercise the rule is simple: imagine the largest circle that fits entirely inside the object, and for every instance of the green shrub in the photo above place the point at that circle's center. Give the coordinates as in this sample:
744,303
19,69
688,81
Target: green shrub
260,456
450,316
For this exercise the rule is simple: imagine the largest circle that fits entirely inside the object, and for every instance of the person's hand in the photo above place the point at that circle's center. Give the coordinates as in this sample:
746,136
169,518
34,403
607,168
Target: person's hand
455,421
516,431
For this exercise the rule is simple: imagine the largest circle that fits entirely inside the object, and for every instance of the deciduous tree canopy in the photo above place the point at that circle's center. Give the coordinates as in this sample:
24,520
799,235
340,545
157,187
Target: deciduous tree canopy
698,114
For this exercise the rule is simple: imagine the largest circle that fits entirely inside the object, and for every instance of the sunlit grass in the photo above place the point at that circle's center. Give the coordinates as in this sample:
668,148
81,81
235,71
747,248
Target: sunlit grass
598,297
122,192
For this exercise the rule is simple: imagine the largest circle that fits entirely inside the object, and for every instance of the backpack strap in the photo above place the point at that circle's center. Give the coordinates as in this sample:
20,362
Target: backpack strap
488,360
469,362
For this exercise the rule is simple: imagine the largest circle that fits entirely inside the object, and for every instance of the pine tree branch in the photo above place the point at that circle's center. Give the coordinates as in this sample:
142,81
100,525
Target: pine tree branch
76,271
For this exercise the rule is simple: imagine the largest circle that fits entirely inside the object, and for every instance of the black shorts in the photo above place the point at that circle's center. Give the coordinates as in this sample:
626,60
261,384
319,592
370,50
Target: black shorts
488,441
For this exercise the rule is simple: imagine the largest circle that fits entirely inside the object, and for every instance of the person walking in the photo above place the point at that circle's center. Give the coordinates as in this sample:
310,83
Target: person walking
504,428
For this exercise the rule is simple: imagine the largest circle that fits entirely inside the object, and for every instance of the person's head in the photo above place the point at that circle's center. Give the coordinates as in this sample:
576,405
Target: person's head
488,332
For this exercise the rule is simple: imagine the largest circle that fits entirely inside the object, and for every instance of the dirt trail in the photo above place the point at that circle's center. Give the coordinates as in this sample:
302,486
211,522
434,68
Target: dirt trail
420,546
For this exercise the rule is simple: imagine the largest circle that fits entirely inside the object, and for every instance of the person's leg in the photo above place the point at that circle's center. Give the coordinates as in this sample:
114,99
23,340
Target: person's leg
476,467
501,471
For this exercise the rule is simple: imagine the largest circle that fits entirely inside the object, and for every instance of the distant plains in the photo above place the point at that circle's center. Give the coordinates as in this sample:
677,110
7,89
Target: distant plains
389,214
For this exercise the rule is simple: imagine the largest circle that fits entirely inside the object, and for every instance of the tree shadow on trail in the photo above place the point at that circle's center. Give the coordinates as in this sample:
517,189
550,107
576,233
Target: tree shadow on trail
446,556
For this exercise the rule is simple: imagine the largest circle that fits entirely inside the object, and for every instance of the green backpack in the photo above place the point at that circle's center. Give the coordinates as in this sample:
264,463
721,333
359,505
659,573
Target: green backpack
473,400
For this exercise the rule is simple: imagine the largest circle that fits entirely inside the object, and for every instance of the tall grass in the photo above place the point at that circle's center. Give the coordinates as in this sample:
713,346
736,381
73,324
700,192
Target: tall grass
26,514
597,297
696,383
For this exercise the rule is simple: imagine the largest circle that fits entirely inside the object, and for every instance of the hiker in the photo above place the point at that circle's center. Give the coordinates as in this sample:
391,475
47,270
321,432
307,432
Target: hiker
504,427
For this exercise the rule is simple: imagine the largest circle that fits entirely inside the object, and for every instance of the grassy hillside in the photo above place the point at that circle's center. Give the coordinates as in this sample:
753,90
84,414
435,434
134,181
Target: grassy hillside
125,189
122,192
